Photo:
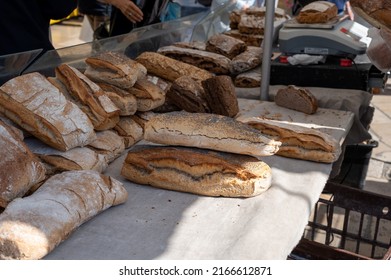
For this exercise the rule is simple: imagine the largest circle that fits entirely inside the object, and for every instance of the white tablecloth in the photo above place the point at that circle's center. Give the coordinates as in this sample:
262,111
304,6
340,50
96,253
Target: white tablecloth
162,224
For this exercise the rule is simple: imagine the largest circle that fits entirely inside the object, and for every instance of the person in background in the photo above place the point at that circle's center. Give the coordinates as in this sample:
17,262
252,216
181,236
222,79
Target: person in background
95,11
25,23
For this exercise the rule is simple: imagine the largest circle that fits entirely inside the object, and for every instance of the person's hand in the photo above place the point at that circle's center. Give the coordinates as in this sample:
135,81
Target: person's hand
349,11
129,9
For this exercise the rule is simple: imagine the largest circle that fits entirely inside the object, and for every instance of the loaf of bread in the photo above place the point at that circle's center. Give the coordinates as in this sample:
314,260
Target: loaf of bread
379,49
225,45
196,45
210,61
209,131
79,158
247,60
251,24
126,102
187,94
114,68
220,95
376,12
170,69
295,98
317,12
249,79
103,113
130,129
197,171
254,40
20,169
108,144
258,13
297,141
37,106
33,226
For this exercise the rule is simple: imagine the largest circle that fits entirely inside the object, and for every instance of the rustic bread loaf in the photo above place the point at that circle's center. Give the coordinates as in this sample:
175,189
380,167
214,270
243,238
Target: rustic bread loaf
114,68
187,94
376,12
220,96
109,144
37,106
210,61
251,24
196,45
79,158
297,141
20,169
317,12
169,68
103,113
126,102
209,131
254,40
247,60
131,129
225,45
249,79
295,98
197,171
33,226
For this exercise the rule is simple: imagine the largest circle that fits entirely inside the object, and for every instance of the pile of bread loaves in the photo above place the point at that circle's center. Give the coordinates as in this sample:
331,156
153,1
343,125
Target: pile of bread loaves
180,100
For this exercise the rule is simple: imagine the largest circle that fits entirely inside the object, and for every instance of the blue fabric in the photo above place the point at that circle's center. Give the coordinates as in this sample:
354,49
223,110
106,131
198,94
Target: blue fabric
340,4
172,11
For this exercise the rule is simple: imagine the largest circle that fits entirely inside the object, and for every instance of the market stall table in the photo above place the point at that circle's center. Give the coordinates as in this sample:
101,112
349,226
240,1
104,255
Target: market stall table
162,224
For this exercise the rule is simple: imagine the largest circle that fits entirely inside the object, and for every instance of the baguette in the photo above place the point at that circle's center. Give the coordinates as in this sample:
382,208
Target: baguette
20,169
197,171
33,226
208,131
37,106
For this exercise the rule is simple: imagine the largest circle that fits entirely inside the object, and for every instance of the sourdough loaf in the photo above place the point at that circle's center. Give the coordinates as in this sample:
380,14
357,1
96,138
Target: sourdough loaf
114,68
225,45
297,141
197,171
37,106
103,113
376,12
20,169
131,129
317,12
108,144
220,95
247,60
187,94
254,40
33,226
169,68
209,131
249,79
295,98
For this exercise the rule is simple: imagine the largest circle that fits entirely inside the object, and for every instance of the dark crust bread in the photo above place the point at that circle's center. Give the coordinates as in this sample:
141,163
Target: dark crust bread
298,99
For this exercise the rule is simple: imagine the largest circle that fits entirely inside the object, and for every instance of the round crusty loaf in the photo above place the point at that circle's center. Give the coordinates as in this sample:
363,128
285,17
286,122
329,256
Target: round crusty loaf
198,171
298,99
209,131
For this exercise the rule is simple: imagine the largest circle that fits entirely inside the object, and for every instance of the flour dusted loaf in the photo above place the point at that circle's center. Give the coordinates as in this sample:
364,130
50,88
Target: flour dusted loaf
37,106
170,69
249,79
197,171
209,131
297,141
225,45
317,12
108,144
114,68
20,169
295,98
247,60
33,226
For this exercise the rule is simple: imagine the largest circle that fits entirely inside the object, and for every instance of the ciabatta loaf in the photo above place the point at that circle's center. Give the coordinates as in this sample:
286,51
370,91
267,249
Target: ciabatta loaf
114,68
295,98
197,171
37,106
209,131
297,141
20,169
170,69
33,226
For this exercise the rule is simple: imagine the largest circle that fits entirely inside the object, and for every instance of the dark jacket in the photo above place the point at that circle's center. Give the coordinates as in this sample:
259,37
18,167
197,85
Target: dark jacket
24,24
93,7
